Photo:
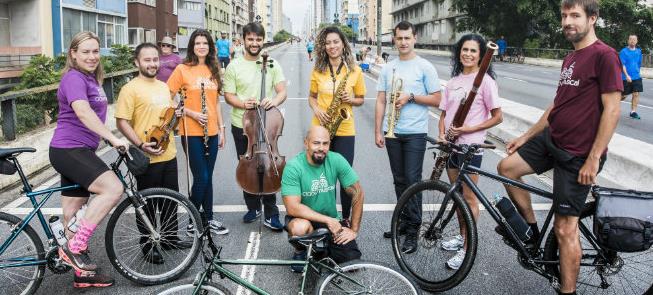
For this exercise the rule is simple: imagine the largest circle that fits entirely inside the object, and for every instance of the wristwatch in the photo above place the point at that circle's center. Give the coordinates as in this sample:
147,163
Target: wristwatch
411,99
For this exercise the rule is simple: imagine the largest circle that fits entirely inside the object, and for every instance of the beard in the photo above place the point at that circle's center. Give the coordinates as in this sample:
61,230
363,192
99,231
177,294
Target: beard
252,53
145,72
318,160
576,37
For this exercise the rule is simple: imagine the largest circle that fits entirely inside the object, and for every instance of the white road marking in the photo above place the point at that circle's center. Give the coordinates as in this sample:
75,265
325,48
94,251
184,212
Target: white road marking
243,208
515,79
639,105
250,253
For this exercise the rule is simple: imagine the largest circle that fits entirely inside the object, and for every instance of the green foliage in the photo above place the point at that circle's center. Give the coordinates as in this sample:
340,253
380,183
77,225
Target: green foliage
282,36
522,20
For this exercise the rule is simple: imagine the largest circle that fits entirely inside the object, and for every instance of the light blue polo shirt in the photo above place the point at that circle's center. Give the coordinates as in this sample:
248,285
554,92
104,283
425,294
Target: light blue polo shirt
420,78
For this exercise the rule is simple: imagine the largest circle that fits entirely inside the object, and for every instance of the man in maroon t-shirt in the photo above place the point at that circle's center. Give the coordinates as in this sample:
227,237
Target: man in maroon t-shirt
572,135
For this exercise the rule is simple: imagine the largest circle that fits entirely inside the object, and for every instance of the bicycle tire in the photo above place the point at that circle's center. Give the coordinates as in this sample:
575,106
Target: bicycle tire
424,264
10,284
156,274
187,289
388,280
589,279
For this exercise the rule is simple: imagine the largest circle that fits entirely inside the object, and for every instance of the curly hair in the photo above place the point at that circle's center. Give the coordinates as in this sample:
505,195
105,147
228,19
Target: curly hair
457,65
321,56
211,59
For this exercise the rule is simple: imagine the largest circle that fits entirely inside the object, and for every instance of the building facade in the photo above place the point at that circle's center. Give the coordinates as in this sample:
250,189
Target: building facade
190,15
352,21
434,22
265,12
287,24
217,17
25,31
150,21
277,16
239,17
108,19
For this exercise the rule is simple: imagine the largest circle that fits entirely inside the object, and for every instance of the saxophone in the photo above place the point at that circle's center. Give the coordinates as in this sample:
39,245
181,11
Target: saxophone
394,112
336,111
206,125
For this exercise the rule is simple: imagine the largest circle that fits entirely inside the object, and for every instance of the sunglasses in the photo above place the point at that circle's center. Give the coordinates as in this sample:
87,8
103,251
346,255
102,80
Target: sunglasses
166,45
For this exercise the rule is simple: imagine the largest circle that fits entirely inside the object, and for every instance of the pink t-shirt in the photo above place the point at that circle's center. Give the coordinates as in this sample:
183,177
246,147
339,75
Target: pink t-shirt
486,100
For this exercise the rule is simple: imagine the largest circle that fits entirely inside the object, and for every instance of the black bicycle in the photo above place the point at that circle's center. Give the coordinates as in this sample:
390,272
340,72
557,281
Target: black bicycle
601,270
150,219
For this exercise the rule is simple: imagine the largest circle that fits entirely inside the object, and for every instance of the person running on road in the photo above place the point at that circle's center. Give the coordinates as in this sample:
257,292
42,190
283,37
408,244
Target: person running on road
80,125
631,59
485,113
572,135
309,47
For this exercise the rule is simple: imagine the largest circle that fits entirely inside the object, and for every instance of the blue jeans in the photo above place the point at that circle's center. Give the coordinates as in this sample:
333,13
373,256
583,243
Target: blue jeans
202,167
406,153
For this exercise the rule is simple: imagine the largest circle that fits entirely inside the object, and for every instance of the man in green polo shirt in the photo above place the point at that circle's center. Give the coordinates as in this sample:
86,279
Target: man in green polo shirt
308,187
242,90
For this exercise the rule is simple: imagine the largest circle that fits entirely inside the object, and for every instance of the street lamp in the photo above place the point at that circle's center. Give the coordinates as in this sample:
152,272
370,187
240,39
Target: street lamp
335,15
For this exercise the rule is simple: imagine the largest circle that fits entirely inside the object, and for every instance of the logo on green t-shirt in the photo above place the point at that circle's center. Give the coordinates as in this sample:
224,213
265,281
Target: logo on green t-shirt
320,185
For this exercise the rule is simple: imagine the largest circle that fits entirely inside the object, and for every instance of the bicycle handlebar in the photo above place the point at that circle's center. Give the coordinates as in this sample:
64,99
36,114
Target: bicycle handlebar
464,148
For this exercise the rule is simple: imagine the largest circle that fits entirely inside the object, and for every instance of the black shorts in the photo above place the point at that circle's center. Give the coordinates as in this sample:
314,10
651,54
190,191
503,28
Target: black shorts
635,86
456,159
77,166
541,154
339,253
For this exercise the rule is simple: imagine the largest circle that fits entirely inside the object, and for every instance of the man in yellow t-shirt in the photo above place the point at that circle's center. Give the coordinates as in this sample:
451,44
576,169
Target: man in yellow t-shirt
242,90
140,105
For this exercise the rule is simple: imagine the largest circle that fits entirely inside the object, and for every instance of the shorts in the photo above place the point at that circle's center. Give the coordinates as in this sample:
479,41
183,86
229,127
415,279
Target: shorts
309,50
541,154
456,159
339,253
77,166
635,86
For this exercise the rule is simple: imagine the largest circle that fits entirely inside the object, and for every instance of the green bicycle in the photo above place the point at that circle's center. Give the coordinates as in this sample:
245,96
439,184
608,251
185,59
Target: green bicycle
355,277
130,230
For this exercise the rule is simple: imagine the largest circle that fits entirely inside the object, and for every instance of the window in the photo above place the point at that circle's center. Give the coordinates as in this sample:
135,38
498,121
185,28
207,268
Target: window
72,24
146,2
89,22
183,31
136,35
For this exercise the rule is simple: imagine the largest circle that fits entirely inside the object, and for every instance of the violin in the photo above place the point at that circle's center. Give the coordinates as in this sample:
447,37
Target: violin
259,169
160,134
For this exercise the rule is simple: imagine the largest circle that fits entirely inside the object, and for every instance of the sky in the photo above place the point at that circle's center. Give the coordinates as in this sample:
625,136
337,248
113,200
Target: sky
297,10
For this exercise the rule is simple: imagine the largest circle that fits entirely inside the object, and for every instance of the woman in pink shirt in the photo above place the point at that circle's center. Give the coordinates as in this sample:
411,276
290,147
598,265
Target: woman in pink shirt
484,114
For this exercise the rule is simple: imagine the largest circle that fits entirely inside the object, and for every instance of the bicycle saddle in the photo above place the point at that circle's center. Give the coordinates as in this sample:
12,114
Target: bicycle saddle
312,238
6,153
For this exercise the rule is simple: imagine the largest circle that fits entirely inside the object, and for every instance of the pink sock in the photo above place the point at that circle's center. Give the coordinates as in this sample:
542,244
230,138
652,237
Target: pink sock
79,242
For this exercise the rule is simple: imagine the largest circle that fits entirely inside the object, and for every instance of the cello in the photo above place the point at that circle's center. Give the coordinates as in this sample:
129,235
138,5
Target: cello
259,169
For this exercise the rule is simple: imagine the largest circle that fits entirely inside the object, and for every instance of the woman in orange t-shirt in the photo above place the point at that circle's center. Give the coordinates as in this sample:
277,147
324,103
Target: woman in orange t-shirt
203,127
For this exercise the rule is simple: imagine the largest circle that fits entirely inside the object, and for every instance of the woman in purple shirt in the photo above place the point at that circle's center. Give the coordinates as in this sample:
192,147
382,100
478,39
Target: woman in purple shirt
168,59
82,113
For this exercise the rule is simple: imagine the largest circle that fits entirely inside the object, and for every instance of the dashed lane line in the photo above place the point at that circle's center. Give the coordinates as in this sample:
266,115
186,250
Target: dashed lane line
251,253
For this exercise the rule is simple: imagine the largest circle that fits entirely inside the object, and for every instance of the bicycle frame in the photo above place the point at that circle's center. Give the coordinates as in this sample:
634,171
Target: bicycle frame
217,266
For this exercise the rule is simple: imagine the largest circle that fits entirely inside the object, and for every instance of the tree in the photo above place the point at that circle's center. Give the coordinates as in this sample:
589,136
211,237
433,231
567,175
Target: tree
281,36
539,21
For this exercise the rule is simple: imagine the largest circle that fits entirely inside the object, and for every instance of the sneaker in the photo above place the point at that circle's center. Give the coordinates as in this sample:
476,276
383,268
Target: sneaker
251,215
456,243
456,261
410,244
88,279
298,256
273,223
634,115
80,262
217,227
190,230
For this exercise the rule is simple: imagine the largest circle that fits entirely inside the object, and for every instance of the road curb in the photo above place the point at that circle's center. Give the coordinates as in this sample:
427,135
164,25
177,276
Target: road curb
629,161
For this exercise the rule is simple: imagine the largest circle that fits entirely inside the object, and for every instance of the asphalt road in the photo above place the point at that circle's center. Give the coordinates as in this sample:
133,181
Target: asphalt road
496,270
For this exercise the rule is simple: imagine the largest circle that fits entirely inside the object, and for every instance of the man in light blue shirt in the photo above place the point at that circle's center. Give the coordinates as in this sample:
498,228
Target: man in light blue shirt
421,90
631,59
224,50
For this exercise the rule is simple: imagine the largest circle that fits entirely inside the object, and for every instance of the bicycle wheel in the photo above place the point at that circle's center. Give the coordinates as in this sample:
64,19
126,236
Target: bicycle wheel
625,273
427,266
130,246
374,278
26,247
187,289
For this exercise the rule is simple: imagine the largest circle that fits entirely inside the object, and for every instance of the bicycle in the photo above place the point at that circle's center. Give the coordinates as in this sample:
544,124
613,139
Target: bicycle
23,257
601,270
354,277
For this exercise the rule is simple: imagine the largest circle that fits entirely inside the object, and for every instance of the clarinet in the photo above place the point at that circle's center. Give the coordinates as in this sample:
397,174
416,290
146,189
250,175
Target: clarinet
206,125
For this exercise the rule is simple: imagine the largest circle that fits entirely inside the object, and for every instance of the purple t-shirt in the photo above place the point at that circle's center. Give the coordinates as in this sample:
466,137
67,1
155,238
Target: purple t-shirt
577,107
70,131
168,63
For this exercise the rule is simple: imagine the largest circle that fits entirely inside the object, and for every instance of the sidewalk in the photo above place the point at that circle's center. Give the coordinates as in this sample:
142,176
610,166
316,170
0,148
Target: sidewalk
629,163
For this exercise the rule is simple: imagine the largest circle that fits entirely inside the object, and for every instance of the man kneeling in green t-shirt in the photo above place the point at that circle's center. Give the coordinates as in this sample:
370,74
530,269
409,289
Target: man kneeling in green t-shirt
308,187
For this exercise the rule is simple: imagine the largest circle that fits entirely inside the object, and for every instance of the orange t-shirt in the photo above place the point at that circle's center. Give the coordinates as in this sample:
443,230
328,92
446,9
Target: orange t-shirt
191,78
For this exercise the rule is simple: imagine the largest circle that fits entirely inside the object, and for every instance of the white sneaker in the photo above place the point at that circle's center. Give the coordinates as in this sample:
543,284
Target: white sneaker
456,243
190,230
456,261
217,227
